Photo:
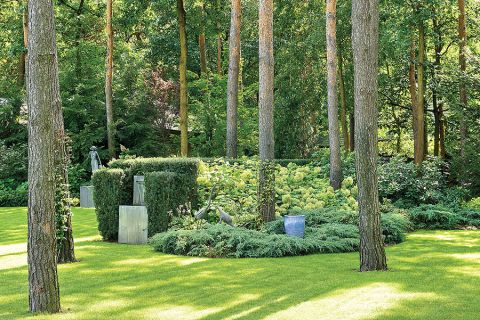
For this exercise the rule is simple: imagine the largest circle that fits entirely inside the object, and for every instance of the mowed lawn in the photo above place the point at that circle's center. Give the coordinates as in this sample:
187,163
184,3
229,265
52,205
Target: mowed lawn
434,275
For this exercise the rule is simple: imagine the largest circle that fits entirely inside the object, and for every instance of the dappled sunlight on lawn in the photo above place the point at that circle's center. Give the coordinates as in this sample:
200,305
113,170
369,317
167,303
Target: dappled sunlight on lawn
354,304
430,277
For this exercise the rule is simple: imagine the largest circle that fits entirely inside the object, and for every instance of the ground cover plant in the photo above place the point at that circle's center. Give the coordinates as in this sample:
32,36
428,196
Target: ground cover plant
434,275
326,231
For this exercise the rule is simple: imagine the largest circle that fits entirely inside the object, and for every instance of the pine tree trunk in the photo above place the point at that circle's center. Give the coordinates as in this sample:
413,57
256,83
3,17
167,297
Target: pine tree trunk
232,85
418,123
462,35
266,181
343,102
23,57
219,42
183,79
333,131
108,82
43,97
421,88
352,131
365,20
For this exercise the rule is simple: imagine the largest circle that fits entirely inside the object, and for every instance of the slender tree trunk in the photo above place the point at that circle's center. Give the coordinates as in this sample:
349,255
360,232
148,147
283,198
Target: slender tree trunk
333,131
436,114
23,56
443,152
462,35
418,123
232,85
201,42
266,181
219,41
343,102
108,82
183,79
365,20
421,86
352,131
43,96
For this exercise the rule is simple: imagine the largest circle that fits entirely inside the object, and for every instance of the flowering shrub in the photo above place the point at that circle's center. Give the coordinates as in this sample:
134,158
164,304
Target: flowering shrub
296,187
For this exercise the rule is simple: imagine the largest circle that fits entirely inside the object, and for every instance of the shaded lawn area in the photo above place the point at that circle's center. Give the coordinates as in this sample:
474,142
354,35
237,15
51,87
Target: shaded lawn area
434,275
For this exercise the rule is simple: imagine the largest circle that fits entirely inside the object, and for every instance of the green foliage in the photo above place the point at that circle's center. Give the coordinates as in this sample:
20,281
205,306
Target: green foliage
13,162
429,216
410,185
296,187
109,193
469,217
327,230
186,168
13,194
224,241
165,193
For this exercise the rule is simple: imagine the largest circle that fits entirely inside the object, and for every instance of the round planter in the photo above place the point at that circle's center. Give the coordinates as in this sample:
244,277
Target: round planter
294,225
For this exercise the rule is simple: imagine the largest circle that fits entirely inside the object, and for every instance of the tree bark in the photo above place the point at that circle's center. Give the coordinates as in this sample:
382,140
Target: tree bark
23,57
266,181
333,130
343,102
443,152
421,87
183,79
418,123
352,131
219,42
462,35
365,20
201,43
232,85
43,98
108,82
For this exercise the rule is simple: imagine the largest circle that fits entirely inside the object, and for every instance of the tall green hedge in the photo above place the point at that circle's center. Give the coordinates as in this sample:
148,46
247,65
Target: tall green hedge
187,168
164,193
109,193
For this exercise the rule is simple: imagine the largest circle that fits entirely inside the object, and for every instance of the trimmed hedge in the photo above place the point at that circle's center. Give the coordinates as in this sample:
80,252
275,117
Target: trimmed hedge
164,193
187,168
109,193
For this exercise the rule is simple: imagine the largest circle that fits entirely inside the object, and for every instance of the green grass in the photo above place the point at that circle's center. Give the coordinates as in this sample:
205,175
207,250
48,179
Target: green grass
433,275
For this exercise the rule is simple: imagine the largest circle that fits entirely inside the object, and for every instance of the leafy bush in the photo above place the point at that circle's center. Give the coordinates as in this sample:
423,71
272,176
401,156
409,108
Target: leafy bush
165,192
13,162
409,185
224,241
109,193
429,216
13,194
296,187
473,203
186,168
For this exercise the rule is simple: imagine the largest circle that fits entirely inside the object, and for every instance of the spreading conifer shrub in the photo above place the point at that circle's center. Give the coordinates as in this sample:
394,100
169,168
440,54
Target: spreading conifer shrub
186,168
109,193
165,192
433,217
327,230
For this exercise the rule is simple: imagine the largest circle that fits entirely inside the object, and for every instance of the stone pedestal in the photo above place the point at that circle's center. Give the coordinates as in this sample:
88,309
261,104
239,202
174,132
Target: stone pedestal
86,197
138,190
133,224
